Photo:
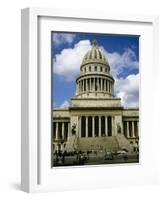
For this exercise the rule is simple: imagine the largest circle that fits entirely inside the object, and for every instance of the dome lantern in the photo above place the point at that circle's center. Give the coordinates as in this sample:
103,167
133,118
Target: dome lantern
94,43
95,55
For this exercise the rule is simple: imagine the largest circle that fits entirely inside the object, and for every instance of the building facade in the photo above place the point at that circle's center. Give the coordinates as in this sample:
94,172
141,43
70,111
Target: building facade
96,118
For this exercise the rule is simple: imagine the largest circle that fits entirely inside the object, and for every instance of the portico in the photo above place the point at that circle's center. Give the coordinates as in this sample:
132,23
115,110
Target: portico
95,126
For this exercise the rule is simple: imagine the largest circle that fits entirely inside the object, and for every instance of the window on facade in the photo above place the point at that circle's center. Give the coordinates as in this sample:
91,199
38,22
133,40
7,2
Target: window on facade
101,69
105,69
89,68
95,68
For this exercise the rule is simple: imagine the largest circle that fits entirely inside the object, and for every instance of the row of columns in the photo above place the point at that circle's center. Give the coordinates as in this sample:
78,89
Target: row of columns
133,133
63,130
93,126
94,69
95,84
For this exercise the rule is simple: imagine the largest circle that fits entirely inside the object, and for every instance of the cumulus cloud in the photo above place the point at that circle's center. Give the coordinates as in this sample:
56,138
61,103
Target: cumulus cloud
121,62
68,62
63,38
65,104
128,90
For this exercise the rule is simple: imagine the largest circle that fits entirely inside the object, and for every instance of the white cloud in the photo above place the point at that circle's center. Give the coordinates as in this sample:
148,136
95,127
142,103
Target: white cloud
65,104
63,38
128,90
68,62
121,62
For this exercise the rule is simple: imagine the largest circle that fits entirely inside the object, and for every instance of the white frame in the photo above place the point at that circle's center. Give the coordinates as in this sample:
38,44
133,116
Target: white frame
30,145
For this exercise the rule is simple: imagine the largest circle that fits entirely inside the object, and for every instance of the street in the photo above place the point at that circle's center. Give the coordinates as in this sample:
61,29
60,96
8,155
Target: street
93,159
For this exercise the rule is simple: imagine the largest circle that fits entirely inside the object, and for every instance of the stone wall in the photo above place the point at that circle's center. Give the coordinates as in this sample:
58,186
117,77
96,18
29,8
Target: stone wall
96,102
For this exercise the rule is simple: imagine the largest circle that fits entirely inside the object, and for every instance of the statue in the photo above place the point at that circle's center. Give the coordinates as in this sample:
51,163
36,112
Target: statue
73,129
118,128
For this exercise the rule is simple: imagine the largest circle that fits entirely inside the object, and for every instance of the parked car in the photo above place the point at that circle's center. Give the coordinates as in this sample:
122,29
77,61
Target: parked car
122,154
108,156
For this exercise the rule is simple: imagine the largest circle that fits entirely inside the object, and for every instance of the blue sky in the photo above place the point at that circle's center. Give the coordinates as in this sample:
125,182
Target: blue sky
122,52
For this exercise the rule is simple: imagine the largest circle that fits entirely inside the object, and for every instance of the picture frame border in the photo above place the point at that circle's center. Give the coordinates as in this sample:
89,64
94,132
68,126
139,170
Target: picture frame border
30,79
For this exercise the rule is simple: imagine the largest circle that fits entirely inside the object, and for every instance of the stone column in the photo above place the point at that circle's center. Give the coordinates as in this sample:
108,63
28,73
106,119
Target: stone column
113,126
106,125
137,128
56,135
127,129
81,85
112,88
101,84
84,85
86,127
69,130
94,83
104,85
133,130
93,126
108,85
100,126
97,84
86,81
63,130
88,84
79,128
91,84
78,87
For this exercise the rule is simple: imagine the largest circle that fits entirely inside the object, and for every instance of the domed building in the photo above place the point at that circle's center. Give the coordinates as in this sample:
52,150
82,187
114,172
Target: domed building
96,119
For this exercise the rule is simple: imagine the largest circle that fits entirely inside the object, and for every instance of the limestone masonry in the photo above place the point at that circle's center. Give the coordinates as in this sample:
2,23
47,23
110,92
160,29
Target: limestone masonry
96,119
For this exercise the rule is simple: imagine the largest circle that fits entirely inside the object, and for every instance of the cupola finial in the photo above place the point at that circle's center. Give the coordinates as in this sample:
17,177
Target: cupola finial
94,43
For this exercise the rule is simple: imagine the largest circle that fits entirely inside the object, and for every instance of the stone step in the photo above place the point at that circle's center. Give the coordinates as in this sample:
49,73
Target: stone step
105,143
124,143
112,143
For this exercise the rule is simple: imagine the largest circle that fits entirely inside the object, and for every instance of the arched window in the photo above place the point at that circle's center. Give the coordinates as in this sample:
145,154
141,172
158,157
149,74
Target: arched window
101,69
90,68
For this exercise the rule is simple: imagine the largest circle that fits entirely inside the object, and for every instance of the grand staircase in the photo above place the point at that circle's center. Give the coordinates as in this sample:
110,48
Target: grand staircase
124,143
112,143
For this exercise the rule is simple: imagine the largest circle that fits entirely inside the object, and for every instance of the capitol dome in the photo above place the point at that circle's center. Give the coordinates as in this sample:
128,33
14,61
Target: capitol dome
95,79
95,55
